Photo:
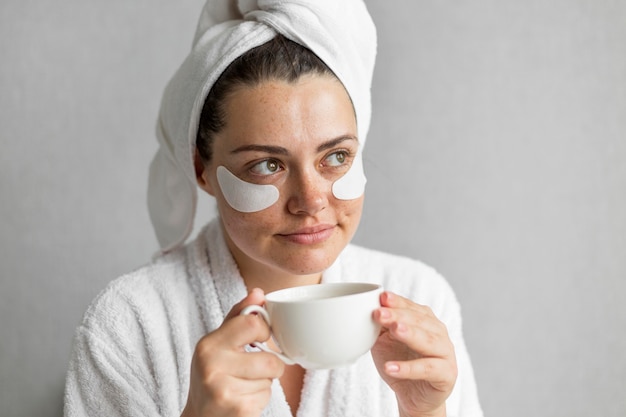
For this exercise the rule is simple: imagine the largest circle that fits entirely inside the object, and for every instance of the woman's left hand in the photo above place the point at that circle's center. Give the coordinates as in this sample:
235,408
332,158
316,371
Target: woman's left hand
414,356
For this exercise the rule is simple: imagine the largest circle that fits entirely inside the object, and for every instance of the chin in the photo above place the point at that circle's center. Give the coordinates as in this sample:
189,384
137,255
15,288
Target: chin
309,264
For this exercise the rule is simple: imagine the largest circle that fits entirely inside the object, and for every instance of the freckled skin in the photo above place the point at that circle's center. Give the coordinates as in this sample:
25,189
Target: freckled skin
298,117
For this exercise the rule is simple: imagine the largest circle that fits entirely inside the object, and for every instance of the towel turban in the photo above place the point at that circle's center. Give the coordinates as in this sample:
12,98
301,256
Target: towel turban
340,32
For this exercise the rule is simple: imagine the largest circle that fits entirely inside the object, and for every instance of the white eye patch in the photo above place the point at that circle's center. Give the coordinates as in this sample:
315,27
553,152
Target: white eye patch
248,198
244,196
352,184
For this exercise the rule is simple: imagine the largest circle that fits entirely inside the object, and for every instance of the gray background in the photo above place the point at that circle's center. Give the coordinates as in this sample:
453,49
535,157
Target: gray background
496,155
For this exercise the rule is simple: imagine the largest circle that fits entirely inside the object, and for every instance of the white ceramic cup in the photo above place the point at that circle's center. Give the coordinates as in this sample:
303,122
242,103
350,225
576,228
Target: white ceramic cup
321,326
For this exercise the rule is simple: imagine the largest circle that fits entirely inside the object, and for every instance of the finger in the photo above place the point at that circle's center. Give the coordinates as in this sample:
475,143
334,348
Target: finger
440,373
391,300
424,335
235,386
415,316
214,361
256,296
240,397
388,317
423,340
395,308
242,330
256,366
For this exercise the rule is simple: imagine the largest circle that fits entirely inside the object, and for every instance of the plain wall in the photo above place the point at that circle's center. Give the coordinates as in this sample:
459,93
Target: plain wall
496,154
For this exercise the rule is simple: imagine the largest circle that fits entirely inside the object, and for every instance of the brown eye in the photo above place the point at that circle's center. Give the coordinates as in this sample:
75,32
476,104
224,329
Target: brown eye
336,158
267,167
272,166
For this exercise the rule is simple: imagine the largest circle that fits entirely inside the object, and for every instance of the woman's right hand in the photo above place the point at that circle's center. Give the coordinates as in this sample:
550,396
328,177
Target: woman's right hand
225,379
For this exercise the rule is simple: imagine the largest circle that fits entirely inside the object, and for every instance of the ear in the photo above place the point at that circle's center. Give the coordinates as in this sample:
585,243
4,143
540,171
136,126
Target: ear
202,173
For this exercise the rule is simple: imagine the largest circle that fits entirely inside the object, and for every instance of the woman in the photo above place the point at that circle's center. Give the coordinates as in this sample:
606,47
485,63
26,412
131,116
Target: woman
277,142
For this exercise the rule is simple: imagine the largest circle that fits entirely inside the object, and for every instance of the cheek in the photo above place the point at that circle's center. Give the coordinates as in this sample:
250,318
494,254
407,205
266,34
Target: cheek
349,211
249,228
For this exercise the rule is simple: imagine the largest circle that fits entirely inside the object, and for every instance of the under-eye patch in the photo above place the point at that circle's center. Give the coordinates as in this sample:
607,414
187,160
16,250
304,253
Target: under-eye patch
244,196
247,197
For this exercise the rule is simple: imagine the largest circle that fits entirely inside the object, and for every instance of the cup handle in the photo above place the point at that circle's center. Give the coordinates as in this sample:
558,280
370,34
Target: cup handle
261,345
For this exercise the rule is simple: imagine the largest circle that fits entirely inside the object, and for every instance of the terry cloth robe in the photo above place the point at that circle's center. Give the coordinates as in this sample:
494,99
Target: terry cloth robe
132,353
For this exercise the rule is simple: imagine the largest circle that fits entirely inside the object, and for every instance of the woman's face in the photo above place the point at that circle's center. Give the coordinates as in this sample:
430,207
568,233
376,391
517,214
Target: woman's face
299,138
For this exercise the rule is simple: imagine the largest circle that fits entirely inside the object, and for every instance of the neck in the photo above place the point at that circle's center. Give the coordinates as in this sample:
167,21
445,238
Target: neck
271,281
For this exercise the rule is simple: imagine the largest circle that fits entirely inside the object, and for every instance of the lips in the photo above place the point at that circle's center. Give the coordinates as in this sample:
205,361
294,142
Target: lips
310,235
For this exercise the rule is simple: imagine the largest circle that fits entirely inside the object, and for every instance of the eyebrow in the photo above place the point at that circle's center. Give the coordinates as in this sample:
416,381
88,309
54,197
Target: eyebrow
279,150
334,142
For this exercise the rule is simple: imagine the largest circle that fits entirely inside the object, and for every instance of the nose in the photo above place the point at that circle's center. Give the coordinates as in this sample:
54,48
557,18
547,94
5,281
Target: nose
309,194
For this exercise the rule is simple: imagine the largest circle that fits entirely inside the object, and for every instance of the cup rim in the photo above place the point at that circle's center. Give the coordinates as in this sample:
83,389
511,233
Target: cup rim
345,289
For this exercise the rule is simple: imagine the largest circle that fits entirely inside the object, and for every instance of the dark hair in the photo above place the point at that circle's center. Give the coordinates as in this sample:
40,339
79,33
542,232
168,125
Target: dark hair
278,59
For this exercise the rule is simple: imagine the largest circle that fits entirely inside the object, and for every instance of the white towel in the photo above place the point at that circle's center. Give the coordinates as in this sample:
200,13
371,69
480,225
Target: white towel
341,33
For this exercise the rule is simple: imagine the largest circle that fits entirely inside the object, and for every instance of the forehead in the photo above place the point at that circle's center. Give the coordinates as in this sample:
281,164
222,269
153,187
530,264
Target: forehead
308,111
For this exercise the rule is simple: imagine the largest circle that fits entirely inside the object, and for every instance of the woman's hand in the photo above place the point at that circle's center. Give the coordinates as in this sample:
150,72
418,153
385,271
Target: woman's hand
414,356
225,379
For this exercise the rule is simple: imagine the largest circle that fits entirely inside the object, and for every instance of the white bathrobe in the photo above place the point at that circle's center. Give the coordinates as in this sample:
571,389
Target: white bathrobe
132,353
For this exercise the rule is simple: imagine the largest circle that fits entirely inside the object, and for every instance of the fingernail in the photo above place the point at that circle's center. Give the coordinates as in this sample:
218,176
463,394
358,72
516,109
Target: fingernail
384,313
392,368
